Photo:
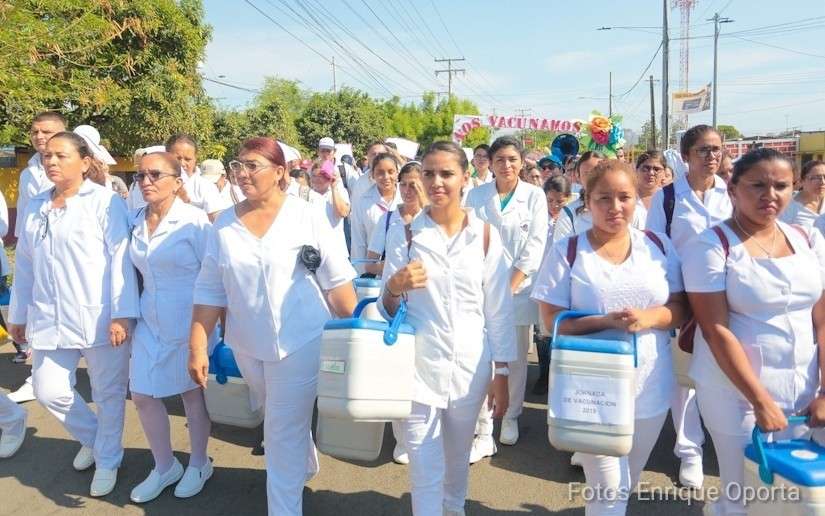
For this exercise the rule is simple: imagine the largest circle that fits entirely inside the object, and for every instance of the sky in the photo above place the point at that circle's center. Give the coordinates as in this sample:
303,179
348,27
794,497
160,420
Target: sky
544,58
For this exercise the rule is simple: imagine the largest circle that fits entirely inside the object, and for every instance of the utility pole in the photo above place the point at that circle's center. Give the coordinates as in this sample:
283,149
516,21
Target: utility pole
450,71
523,113
334,85
665,99
610,96
716,21
652,117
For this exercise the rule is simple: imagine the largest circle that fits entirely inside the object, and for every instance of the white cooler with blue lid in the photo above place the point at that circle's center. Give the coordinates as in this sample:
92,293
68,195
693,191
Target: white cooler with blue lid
227,393
366,378
591,398
368,288
785,477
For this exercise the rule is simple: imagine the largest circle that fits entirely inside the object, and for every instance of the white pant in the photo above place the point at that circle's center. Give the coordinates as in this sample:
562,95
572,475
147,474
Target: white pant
615,477
516,384
287,389
688,425
730,421
438,442
53,373
12,416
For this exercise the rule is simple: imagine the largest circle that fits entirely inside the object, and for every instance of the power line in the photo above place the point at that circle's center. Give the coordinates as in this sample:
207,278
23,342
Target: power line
250,90
642,75
781,48
446,29
427,26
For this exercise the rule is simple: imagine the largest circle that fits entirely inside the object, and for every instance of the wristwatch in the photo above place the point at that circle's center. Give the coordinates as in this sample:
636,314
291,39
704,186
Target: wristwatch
503,371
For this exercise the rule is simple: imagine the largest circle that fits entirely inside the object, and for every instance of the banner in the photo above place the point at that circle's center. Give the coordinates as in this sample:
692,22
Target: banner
463,124
685,102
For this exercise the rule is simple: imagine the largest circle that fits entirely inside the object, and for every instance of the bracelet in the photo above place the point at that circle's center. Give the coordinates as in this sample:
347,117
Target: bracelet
391,294
502,371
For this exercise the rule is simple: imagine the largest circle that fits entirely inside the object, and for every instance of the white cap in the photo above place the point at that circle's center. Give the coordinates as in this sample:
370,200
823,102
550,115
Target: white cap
212,169
290,153
326,143
92,137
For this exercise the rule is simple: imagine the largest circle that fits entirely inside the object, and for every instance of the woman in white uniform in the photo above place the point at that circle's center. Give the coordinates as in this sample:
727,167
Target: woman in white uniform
368,208
682,210
167,248
632,277
271,262
325,179
809,203
756,288
413,200
576,219
74,294
650,165
452,269
518,210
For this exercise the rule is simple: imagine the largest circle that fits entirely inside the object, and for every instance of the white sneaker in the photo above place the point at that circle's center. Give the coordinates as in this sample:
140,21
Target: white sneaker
691,475
576,460
155,483
193,480
23,394
84,459
103,482
10,443
483,446
509,432
400,455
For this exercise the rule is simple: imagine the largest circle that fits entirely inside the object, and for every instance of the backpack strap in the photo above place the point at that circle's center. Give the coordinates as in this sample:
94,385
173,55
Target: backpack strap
669,204
722,238
572,247
343,171
656,240
408,234
570,215
804,234
387,230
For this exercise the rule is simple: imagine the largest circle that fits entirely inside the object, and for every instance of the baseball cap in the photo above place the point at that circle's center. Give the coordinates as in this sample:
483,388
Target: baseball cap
212,169
326,143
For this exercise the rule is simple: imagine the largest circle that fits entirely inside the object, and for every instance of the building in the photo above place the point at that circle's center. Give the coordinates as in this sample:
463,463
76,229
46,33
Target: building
811,147
788,146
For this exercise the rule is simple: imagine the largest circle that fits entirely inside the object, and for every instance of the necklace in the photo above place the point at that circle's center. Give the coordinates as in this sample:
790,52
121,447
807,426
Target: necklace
615,260
768,253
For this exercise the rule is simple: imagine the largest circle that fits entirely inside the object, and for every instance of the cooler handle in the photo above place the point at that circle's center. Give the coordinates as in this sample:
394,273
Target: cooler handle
575,314
765,473
361,305
220,375
391,333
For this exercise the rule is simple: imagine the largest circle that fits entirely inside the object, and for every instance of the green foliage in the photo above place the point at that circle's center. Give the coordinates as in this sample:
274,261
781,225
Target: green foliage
129,67
644,138
729,132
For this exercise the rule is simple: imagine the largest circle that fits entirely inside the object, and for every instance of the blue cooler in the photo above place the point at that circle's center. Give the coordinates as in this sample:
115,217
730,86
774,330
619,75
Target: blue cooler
784,477
592,392
227,394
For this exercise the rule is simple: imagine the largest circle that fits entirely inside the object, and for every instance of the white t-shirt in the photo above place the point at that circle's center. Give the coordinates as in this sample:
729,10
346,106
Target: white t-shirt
324,202
798,213
646,279
366,212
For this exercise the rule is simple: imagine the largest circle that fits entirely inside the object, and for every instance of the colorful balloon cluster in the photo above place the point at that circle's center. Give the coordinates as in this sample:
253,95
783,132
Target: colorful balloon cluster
603,134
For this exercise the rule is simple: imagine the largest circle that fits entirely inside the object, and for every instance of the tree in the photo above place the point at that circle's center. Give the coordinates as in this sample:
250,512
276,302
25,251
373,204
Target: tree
477,136
128,67
644,138
729,132
348,116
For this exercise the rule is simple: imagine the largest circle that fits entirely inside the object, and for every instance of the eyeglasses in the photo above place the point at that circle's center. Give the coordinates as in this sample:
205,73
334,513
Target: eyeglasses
153,175
651,169
556,203
707,152
816,179
250,167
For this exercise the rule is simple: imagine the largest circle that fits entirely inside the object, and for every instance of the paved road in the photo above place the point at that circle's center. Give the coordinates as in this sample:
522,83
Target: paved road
530,478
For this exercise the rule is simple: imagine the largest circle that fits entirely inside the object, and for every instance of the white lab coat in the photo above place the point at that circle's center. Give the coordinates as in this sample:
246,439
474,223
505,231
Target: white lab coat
645,280
366,212
72,275
33,180
169,262
523,228
274,304
463,317
769,305
798,213
691,215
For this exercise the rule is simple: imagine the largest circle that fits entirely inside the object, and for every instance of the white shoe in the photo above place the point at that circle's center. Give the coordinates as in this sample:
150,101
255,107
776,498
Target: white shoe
576,460
103,482
10,443
483,446
691,475
155,483
509,432
400,455
193,480
84,459
23,394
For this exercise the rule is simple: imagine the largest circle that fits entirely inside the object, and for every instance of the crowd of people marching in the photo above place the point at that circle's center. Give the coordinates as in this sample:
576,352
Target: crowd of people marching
142,283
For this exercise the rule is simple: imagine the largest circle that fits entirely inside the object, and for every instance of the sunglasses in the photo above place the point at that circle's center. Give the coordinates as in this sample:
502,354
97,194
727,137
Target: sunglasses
153,175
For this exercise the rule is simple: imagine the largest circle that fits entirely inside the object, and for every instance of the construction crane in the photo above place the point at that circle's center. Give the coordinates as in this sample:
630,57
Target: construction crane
684,6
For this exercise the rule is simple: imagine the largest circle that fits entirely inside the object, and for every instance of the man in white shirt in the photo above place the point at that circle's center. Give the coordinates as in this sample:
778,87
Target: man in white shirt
326,152
213,171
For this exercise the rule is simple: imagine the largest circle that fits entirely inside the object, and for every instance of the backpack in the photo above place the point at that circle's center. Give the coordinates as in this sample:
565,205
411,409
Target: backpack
573,244
669,204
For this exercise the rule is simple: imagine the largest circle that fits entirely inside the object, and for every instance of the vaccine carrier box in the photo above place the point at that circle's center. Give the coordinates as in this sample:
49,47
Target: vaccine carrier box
591,399
368,288
784,477
367,367
227,394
